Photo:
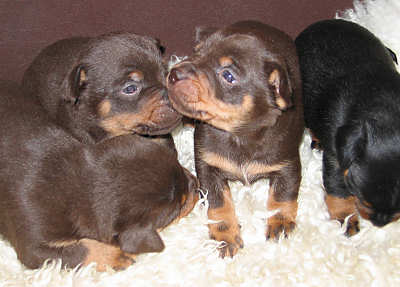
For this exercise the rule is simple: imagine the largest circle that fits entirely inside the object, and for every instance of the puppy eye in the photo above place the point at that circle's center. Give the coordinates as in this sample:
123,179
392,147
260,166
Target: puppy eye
131,89
228,77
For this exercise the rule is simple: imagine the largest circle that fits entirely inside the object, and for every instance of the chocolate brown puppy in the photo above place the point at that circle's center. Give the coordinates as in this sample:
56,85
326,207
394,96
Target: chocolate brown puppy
352,106
243,85
63,199
104,86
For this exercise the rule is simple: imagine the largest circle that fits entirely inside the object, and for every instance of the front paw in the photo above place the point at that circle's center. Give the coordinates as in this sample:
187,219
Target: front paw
340,208
230,235
278,224
123,261
353,225
106,255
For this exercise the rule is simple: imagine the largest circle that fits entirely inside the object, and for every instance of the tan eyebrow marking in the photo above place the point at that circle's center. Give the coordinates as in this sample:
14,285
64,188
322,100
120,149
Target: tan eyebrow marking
225,61
136,75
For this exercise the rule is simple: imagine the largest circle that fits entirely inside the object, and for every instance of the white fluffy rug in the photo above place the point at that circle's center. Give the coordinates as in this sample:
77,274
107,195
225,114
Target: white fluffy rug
316,253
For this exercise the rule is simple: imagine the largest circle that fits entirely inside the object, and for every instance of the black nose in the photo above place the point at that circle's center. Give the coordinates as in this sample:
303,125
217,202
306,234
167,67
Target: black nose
174,76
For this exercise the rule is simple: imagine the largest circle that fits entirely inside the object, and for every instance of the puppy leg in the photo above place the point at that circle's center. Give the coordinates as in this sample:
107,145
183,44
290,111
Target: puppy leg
283,193
227,229
222,210
339,201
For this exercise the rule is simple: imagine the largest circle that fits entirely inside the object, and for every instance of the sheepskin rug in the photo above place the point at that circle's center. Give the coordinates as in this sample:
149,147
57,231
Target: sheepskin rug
315,254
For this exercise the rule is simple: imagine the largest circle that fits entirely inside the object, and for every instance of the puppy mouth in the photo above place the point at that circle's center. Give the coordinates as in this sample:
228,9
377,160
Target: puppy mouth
154,129
161,120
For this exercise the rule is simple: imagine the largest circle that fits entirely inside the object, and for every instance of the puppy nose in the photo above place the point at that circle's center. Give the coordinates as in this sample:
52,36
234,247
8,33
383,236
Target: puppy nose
174,76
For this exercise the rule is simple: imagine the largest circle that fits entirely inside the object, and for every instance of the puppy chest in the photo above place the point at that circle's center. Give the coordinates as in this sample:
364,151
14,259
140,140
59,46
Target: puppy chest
246,170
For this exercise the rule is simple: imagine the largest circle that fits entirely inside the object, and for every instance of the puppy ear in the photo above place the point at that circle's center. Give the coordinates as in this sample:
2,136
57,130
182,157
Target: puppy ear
78,82
279,84
203,32
350,144
139,239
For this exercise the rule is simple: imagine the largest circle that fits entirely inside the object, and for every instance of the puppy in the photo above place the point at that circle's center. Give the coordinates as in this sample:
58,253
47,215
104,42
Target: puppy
63,199
351,103
101,87
243,85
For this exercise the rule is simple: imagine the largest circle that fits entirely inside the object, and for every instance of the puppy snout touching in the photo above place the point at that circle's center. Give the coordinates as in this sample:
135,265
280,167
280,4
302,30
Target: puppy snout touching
174,76
182,71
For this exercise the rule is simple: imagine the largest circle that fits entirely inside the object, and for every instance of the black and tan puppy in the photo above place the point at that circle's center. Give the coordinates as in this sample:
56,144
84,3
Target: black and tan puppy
352,106
62,199
105,86
243,84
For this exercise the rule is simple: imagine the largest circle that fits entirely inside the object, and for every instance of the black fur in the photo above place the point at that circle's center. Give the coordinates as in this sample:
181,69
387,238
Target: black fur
351,93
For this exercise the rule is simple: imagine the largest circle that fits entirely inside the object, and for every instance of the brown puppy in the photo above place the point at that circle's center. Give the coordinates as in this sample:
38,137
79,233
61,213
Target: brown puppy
101,87
243,84
62,199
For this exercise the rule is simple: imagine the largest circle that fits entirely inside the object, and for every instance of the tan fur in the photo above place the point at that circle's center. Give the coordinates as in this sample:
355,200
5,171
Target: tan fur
244,171
121,124
82,76
284,220
340,208
213,111
288,209
274,80
126,123
225,61
104,108
106,255
227,227
137,75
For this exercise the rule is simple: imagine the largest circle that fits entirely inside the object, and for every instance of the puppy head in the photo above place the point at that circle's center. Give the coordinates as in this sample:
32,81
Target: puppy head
235,78
104,87
370,164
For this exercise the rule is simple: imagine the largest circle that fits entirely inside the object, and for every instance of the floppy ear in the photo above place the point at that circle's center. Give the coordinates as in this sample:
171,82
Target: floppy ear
139,239
78,82
202,33
350,145
279,84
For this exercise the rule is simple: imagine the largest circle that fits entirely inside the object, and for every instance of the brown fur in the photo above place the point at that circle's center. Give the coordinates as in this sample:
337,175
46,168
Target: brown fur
243,84
62,198
88,97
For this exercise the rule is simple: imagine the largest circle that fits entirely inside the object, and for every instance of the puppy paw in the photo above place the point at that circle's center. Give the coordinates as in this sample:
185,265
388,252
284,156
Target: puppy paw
353,226
278,224
228,233
340,208
123,261
104,255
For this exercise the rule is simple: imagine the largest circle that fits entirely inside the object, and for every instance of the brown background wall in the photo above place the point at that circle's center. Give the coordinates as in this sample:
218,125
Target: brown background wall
28,26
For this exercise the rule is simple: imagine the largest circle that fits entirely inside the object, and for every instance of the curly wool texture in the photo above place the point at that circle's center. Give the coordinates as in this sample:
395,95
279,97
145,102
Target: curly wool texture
315,254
